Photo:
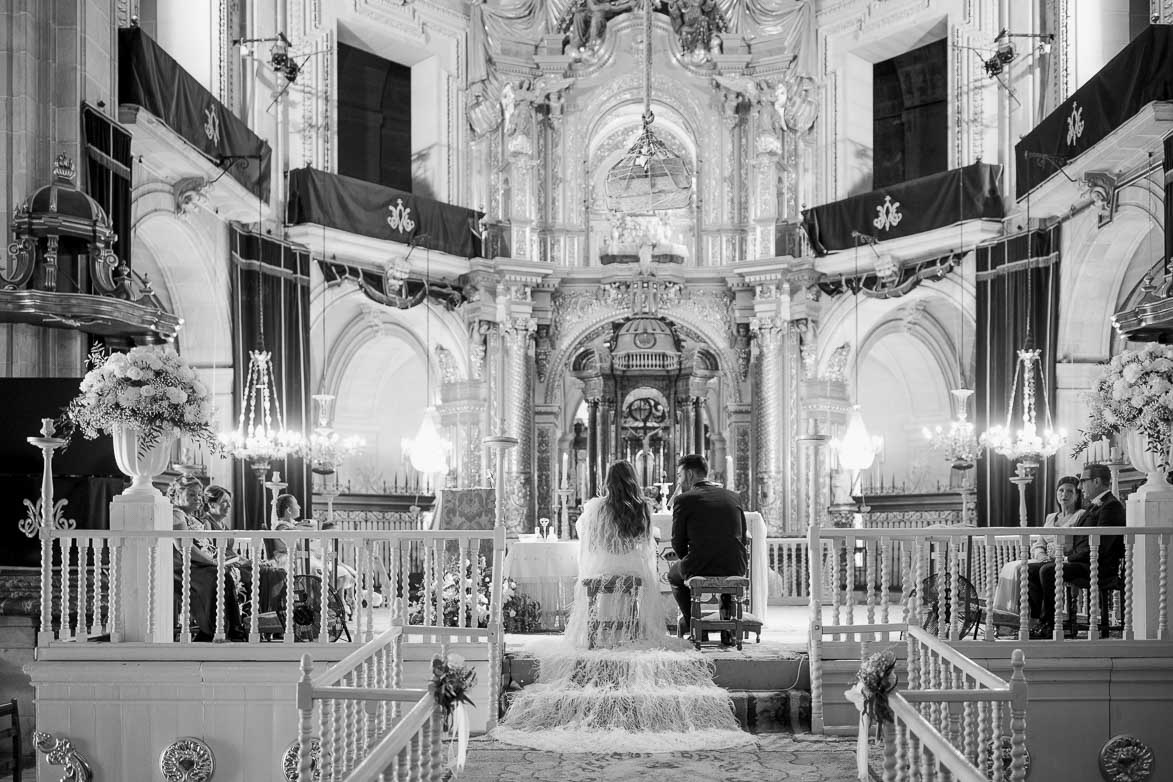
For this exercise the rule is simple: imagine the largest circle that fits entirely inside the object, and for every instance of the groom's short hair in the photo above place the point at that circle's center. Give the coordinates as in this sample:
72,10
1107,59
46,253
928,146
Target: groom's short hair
694,463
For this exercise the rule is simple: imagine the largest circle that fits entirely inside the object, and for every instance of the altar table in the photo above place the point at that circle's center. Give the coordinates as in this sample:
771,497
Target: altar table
545,570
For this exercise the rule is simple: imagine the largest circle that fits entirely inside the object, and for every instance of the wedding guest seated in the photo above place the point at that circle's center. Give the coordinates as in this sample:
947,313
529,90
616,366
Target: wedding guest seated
218,502
1105,510
289,518
186,494
1043,548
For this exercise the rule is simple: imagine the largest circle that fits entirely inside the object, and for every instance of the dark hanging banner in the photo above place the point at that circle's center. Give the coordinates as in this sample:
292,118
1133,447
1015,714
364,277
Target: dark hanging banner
908,208
1017,292
270,311
151,78
359,207
1140,73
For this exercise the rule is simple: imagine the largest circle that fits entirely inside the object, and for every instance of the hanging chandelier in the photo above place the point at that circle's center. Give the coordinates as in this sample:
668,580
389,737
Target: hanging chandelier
427,451
1028,445
260,435
857,449
327,448
959,443
649,177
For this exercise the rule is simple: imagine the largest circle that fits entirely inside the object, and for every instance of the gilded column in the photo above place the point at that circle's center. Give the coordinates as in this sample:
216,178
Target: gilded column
516,393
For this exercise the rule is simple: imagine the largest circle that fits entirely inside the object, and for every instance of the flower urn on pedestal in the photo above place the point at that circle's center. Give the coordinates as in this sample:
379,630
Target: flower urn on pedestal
140,464
1153,464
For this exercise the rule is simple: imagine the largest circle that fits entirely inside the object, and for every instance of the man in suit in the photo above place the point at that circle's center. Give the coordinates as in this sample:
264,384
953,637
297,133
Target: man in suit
708,532
1104,511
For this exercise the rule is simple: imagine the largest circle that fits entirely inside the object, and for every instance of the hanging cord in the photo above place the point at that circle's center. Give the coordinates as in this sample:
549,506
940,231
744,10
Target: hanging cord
648,117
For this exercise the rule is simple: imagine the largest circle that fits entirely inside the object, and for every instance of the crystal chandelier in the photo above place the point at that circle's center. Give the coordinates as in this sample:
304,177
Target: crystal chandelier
857,449
1027,445
427,451
959,442
327,447
649,176
260,435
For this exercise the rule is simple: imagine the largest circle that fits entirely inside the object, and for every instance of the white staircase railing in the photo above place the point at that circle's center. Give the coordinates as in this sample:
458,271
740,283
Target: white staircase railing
366,725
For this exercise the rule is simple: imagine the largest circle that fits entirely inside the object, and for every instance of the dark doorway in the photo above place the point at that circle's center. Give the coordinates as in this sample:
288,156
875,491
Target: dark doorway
374,118
910,115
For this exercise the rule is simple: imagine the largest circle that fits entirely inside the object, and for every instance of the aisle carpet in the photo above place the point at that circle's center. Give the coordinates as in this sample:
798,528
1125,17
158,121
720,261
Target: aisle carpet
776,757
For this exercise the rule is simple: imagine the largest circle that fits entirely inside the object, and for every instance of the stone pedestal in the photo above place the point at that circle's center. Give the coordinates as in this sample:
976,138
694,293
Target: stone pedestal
138,582
1147,508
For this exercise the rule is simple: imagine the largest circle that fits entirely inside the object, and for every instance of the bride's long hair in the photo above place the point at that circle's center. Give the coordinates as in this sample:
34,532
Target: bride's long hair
625,501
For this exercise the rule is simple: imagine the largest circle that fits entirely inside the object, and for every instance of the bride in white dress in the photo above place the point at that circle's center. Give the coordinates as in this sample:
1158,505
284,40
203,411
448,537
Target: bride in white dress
616,681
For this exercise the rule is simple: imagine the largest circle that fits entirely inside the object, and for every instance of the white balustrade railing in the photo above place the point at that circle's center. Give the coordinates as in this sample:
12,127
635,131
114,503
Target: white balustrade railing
955,719
947,579
428,578
367,726
787,558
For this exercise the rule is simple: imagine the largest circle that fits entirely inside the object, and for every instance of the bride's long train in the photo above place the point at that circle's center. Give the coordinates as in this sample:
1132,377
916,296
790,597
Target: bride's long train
621,700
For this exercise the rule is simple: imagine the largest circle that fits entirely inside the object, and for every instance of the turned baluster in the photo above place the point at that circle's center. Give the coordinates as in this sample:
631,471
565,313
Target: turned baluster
254,553
305,710
1163,588
220,604
1023,589
114,606
1093,592
1018,693
1127,608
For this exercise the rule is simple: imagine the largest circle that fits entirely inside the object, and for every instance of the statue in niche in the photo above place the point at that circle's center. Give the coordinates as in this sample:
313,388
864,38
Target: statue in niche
695,22
518,116
589,21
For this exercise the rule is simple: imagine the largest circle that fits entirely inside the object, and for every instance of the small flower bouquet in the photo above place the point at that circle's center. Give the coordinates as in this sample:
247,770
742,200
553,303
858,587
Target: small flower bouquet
149,389
877,678
451,682
1135,391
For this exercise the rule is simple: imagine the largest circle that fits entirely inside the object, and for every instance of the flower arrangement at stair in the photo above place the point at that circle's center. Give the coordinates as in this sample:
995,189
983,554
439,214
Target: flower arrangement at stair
1133,397
145,399
874,682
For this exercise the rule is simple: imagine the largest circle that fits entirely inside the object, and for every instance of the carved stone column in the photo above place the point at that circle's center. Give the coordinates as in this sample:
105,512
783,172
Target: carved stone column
769,333
593,445
740,418
546,462
515,388
764,195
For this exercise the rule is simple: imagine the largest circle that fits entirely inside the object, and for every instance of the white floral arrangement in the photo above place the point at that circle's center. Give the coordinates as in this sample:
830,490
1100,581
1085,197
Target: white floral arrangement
149,389
1135,391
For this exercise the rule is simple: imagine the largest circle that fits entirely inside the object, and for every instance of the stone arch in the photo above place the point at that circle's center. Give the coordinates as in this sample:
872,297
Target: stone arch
1100,267
187,262
380,374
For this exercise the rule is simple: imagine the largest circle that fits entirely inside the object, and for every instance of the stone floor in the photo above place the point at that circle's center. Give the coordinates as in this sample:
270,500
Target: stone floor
776,757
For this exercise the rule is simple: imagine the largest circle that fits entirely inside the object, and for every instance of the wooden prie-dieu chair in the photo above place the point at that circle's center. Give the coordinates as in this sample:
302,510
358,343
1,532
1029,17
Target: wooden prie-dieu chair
717,606
623,628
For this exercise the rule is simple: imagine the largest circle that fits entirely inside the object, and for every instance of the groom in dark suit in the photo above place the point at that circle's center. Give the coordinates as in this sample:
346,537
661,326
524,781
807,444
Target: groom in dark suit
708,532
1104,511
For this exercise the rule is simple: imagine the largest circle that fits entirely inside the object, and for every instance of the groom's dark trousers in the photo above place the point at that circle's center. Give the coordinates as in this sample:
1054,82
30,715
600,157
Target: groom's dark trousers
708,536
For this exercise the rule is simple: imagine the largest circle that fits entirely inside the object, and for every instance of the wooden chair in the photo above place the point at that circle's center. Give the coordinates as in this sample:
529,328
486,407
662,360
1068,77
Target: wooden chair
729,594
11,710
625,627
